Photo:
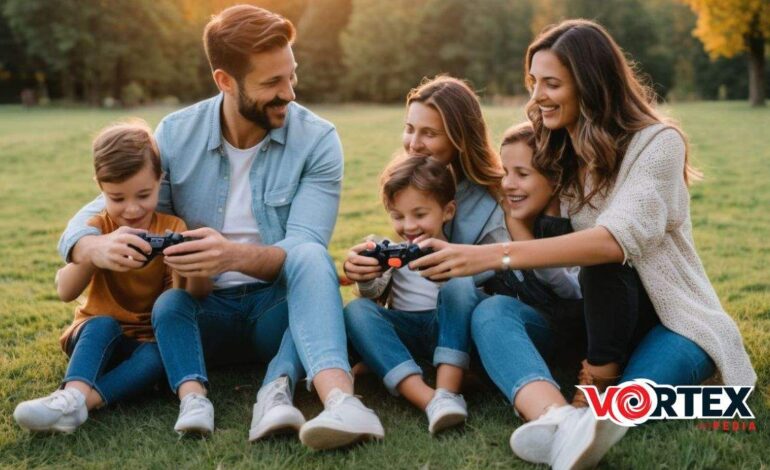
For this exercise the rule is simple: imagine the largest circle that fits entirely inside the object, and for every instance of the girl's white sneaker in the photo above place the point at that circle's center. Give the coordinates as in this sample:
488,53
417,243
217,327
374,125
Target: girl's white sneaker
63,411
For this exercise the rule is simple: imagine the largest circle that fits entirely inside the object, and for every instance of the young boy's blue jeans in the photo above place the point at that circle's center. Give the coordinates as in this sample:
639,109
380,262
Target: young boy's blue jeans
387,339
116,366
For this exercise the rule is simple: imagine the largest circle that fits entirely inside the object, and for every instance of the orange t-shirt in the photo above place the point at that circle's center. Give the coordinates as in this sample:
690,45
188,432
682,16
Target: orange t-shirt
127,297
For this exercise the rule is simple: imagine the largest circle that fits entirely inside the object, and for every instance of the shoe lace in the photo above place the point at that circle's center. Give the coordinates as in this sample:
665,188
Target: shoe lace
194,401
278,395
63,401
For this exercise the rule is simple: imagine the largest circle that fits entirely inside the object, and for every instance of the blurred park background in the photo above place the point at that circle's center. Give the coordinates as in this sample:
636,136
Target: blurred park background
133,52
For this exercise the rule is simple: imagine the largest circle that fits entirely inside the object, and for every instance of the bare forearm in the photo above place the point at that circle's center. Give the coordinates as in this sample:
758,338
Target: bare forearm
260,261
583,248
81,252
72,279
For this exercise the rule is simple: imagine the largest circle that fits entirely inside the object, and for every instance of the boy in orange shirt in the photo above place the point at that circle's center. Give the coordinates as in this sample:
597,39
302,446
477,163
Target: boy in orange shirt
113,354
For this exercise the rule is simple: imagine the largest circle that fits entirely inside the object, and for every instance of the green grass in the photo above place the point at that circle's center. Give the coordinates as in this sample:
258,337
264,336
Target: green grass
45,176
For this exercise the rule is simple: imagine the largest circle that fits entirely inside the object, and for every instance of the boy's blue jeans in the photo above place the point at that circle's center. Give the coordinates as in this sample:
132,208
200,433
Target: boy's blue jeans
386,339
116,366
294,323
512,338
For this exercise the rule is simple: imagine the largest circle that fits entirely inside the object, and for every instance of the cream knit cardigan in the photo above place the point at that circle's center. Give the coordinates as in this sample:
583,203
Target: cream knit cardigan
647,210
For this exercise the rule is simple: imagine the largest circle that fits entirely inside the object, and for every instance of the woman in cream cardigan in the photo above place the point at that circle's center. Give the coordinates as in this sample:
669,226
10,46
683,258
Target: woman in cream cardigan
650,310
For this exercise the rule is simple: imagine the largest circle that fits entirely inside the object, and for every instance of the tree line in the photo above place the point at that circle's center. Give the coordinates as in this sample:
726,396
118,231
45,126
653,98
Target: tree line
134,51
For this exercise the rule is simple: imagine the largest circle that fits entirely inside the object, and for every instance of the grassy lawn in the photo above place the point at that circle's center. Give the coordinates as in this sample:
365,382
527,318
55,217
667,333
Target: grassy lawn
45,176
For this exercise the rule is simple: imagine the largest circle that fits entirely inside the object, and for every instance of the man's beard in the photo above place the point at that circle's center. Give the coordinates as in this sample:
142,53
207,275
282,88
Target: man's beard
250,109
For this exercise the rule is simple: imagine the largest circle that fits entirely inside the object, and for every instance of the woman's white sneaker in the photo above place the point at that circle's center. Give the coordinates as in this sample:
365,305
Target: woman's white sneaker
445,410
533,441
63,411
344,421
196,415
274,412
583,443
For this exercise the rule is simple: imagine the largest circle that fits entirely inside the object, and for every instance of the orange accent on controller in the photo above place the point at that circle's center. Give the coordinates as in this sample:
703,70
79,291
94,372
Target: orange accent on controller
394,263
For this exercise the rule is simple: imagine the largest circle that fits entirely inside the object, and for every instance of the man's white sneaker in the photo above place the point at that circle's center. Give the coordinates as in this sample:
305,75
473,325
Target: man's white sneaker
196,415
344,421
274,412
584,442
445,410
533,441
63,410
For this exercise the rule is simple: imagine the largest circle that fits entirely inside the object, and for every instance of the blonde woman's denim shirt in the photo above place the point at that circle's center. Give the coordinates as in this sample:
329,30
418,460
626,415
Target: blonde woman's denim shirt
295,180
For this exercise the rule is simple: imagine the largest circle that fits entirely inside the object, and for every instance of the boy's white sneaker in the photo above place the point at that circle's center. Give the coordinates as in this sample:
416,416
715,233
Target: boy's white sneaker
533,441
196,415
274,412
584,442
445,410
63,411
344,421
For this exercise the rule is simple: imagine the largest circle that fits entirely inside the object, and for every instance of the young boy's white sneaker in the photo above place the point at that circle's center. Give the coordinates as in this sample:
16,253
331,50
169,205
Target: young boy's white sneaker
344,421
584,442
274,412
196,415
533,441
63,411
445,410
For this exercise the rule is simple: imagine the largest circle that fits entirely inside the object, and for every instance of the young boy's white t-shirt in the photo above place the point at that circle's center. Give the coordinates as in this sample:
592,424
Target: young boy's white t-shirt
411,292
240,225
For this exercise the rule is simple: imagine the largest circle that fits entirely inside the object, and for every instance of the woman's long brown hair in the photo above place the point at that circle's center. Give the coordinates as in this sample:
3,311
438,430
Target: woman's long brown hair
614,104
464,124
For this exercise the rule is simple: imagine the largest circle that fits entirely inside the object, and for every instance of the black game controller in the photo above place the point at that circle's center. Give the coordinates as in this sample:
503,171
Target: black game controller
160,242
395,255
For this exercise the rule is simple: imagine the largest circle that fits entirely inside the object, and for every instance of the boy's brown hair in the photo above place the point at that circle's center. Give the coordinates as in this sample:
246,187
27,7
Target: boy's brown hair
422,173
237,32
122,150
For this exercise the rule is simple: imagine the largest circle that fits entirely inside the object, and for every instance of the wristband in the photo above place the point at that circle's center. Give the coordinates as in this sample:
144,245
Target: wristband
506,261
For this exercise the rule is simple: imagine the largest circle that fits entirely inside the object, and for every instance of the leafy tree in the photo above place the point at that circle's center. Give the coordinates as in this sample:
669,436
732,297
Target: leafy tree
318,50
729,27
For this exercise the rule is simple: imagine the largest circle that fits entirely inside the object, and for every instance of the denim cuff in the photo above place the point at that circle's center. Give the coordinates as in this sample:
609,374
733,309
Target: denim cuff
74,378
453,357
399,373
195,377
333,364
527,379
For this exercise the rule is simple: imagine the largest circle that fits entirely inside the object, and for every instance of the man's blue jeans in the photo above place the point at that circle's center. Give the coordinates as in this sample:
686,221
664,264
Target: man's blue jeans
116,366
386,339
294,323
512,338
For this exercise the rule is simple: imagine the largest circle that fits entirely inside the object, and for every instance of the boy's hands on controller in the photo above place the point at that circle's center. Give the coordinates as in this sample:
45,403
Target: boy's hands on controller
361,268
208,255
115,251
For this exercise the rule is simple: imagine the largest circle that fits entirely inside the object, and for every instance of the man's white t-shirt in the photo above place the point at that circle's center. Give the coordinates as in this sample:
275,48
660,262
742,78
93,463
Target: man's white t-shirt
240,225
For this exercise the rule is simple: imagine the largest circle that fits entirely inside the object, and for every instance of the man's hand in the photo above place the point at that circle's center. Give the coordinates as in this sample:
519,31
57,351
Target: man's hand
208,255
113,251
361,268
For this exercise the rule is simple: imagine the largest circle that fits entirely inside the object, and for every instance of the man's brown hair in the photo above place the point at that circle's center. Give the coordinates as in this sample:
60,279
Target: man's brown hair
421,173
232,36
122,150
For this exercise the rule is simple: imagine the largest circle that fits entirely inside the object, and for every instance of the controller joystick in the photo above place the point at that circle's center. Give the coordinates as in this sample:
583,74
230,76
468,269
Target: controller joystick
395,255
160,242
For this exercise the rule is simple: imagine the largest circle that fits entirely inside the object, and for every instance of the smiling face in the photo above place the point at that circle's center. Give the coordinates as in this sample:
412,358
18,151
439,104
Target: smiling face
131,202
414,213
527,192
425,135
554,91
264,93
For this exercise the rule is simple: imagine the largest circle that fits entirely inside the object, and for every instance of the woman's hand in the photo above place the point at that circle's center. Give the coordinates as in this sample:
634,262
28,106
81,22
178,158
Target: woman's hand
361,268
450,260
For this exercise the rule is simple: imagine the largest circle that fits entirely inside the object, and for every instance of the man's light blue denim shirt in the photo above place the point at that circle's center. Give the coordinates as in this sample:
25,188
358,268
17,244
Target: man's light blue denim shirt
295,180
